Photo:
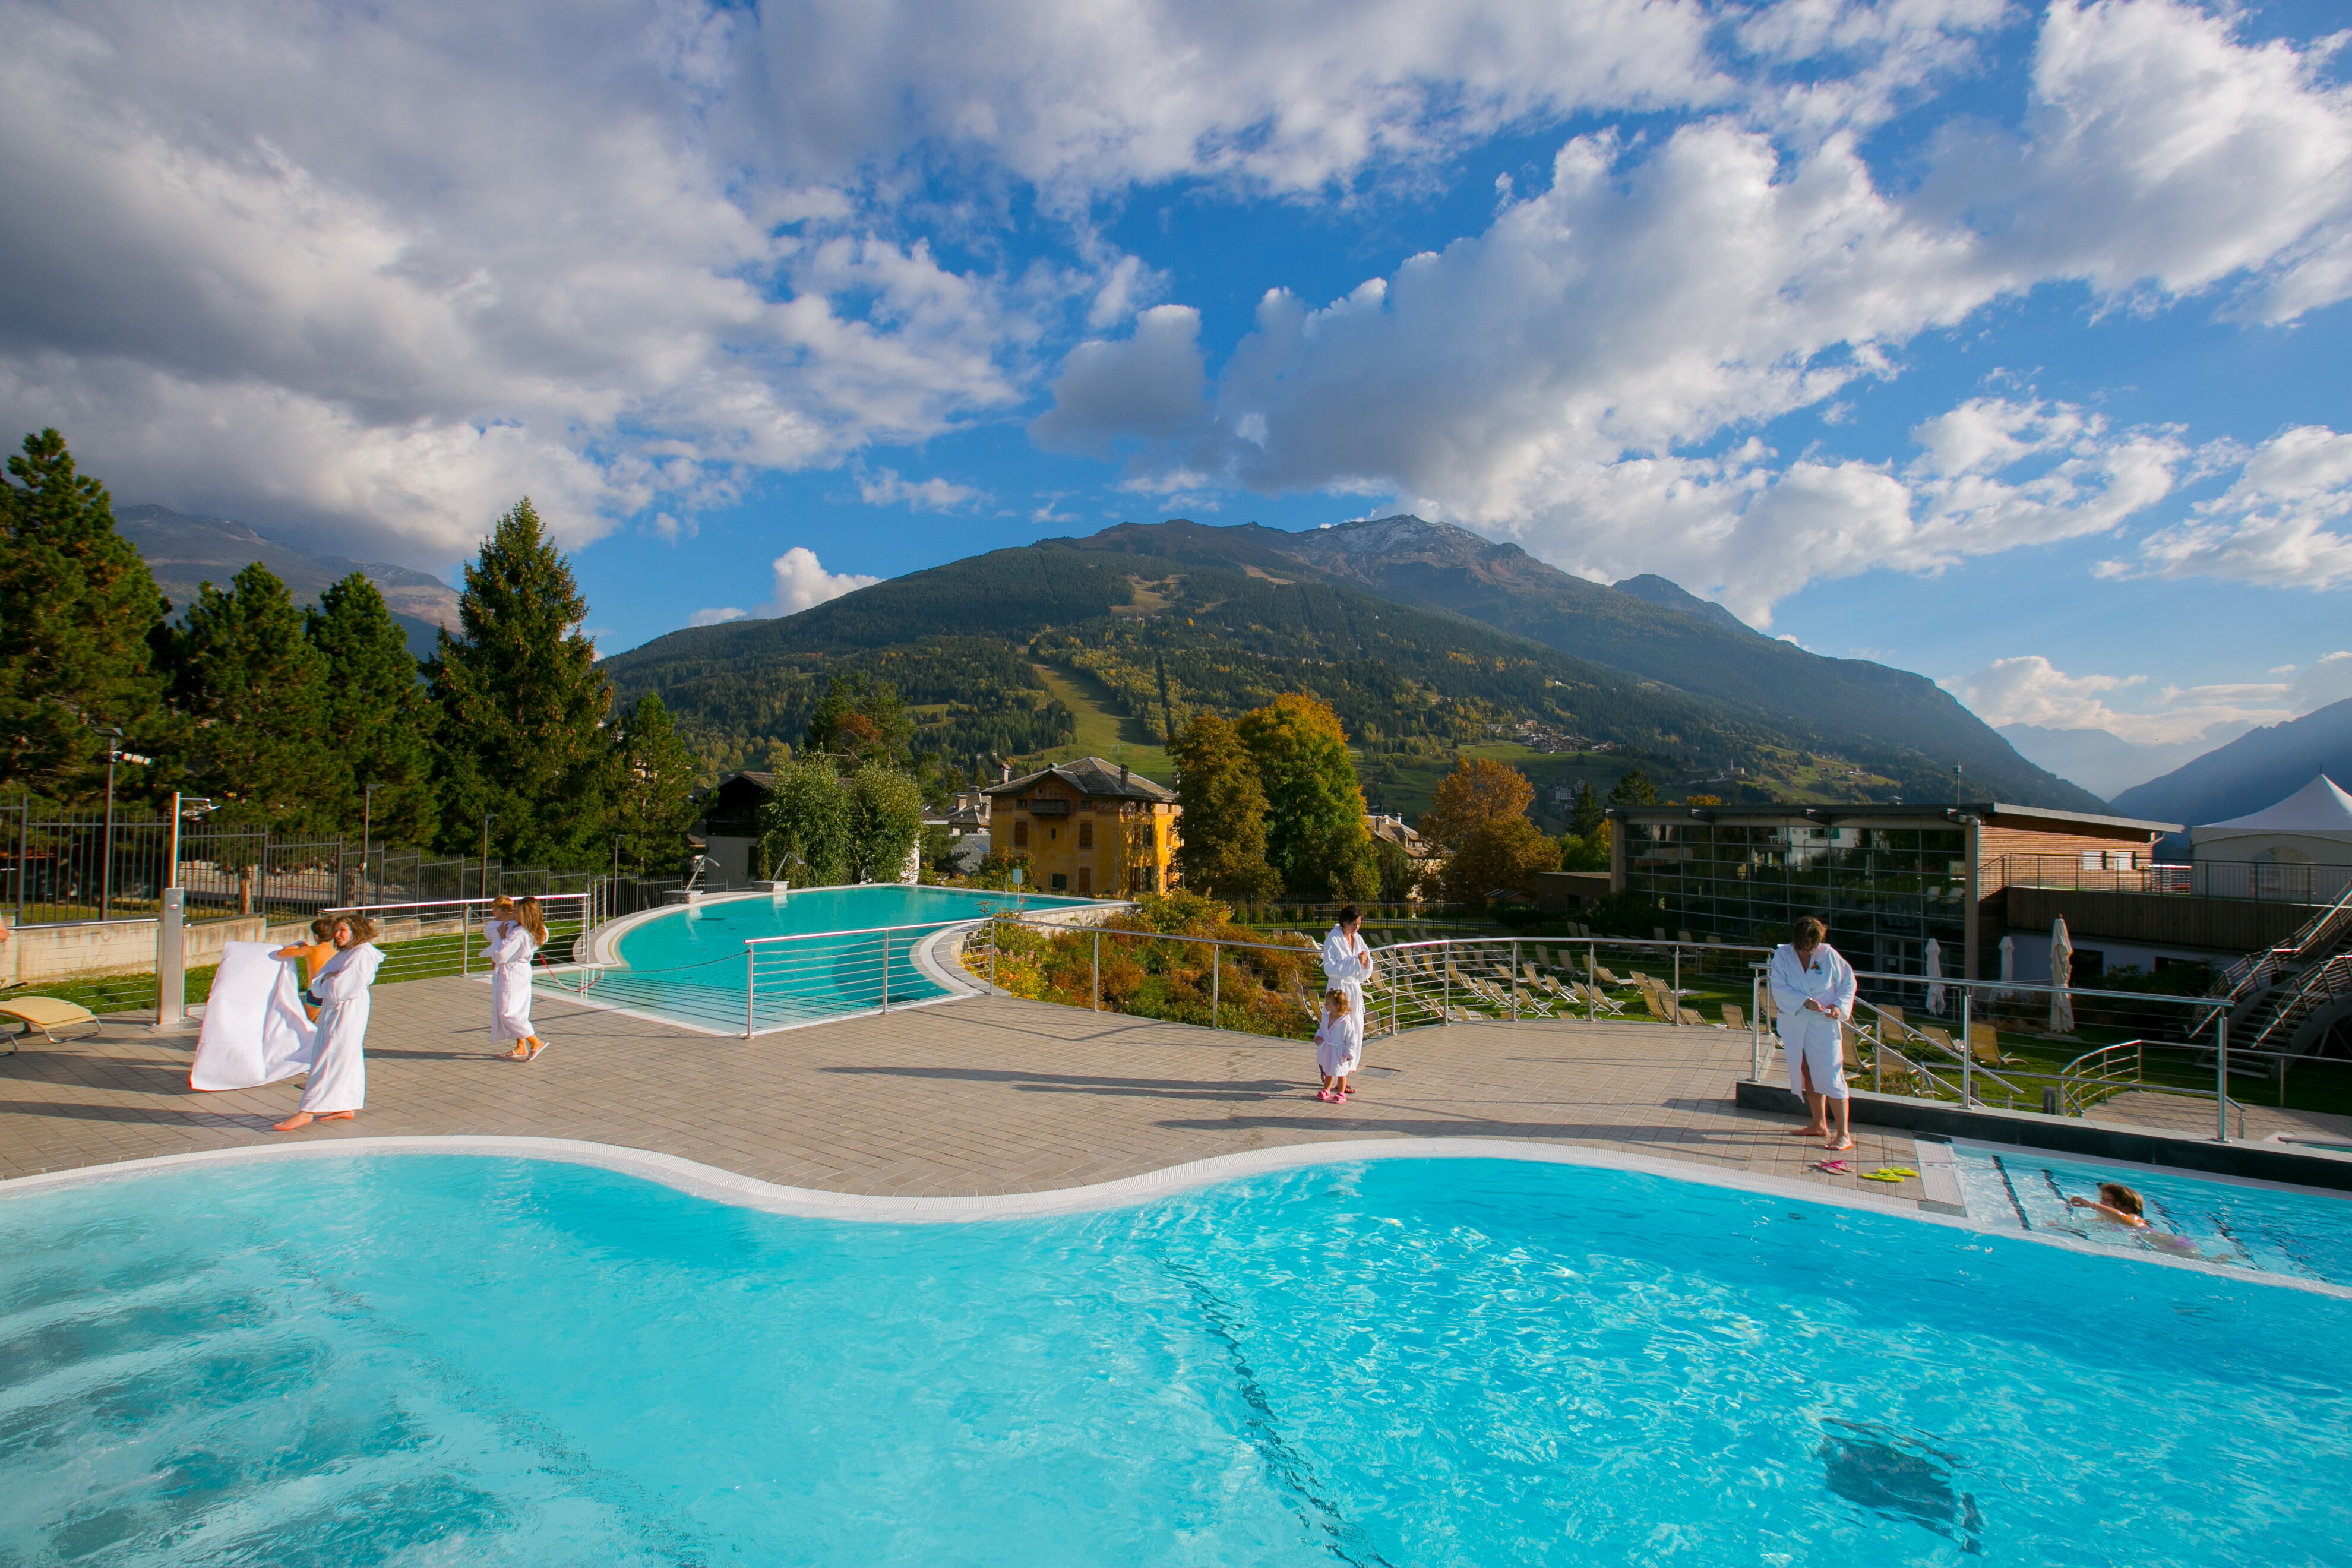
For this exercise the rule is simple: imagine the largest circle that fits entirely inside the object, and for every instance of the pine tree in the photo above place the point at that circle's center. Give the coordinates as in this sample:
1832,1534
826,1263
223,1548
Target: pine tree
1633,789
1223,821
862,719
263,733
520,732
656,806
382,718
76,607
1316,836
1587,816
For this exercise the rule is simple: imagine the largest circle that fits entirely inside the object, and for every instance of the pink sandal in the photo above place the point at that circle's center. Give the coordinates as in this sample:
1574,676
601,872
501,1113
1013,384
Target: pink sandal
1324,1095
1341,1097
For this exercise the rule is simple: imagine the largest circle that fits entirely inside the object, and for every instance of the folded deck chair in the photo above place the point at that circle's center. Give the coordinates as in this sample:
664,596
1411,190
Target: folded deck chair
48,1014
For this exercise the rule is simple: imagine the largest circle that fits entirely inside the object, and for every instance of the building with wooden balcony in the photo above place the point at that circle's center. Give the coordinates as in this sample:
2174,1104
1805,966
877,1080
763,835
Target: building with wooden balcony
1089,827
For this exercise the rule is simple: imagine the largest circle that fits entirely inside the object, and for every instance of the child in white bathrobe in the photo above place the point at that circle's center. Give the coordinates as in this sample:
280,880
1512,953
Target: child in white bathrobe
1339,1044
512,937
338,1084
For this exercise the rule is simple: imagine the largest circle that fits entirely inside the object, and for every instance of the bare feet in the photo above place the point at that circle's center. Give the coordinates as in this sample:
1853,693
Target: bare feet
522,1052
1810,1133
536,1047
337,1115
299,1119
1837,1145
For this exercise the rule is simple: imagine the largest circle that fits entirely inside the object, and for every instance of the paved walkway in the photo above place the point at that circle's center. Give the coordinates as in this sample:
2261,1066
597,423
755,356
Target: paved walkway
984,1096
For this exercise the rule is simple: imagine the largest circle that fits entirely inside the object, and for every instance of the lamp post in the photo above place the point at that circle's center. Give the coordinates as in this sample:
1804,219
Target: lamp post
367,828
114,753
488,817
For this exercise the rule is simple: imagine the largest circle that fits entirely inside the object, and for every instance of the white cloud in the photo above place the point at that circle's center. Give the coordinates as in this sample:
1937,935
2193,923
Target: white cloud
1553,379
935,494
2272,526
2031,690
716,617
802,582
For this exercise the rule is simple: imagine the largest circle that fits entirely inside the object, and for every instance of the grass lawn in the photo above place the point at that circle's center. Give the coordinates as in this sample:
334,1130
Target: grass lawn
1103,731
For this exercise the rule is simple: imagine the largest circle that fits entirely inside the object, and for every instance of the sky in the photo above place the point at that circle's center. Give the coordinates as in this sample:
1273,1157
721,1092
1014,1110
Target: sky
1998,342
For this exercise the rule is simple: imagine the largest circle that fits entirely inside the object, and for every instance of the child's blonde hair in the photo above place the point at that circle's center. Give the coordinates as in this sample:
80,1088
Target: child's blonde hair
528,917
1336,1000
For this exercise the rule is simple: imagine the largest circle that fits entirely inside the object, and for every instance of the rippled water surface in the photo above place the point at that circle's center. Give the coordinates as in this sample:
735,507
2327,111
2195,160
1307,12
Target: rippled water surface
450,1360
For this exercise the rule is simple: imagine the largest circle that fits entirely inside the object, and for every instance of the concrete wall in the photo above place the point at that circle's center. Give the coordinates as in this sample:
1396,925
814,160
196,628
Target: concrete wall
39,954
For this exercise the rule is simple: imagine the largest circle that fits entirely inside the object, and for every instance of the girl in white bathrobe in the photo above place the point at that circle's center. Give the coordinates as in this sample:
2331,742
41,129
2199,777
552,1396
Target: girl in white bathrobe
512,943
1339,1044
338,1086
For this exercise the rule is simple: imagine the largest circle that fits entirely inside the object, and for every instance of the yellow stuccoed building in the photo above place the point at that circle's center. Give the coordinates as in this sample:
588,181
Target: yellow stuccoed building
1089,827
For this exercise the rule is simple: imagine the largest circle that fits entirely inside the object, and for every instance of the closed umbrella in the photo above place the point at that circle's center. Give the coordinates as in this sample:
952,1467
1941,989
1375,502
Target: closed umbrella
1935,977
2008,964
2061,974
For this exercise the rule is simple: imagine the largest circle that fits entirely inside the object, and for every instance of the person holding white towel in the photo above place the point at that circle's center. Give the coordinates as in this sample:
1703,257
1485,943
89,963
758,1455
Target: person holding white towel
1813,990
338,1086
513,942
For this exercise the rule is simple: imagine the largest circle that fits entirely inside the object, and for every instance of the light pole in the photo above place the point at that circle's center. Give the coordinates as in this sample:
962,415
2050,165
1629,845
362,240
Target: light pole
367,828
488,817
114,753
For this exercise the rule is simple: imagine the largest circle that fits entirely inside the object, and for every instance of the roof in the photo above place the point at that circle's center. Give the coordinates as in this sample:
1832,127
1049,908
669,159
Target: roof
2317,810
1091,777
1832,812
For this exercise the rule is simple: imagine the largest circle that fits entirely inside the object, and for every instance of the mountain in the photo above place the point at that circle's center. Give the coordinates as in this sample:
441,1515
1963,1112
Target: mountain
2099,759
1657,590
1164,619
182,552
1898,725
2260,768
970,644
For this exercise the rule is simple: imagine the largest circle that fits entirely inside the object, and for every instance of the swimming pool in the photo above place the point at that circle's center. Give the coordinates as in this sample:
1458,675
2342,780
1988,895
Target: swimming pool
2246,1224
687,965
451,1359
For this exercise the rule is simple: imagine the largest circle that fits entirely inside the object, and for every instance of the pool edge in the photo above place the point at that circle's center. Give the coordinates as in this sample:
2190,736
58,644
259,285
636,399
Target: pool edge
716,1185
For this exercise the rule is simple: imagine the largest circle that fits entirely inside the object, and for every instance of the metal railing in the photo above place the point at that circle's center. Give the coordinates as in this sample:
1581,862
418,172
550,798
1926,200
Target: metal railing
2254,973
2259,881
428,939
2097,1077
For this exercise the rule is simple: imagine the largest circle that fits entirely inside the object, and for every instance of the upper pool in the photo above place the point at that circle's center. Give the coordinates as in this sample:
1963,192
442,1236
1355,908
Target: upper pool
863,947
434,1359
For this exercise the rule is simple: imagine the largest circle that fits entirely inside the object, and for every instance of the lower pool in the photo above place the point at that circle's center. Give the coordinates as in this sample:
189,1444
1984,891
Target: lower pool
850,949
434,1359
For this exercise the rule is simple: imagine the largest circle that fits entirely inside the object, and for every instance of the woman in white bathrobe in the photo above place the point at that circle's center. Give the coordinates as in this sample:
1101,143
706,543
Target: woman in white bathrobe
1347,961
1813,991
338,1086
512,943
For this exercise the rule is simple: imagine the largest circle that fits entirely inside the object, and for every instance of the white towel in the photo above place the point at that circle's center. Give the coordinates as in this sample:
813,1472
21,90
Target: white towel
255,1031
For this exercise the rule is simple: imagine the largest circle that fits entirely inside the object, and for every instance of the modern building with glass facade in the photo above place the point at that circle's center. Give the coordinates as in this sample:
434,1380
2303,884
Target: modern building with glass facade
1883,878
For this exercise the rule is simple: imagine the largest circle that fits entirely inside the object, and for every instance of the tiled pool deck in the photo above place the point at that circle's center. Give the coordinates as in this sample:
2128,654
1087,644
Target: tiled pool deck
981,1097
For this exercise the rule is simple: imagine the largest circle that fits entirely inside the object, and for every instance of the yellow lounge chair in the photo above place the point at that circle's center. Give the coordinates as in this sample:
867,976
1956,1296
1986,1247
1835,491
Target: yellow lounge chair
48,1014
1734,1017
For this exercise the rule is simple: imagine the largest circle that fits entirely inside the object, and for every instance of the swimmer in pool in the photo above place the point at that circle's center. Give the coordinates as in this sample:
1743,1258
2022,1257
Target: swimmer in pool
2116,1202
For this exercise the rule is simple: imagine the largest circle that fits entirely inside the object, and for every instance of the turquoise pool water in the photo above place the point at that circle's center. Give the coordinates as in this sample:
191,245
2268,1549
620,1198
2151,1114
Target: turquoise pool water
450,1360
688,964
2300,1235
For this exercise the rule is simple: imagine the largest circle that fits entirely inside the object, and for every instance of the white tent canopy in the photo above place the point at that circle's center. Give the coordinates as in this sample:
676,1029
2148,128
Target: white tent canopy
2314,823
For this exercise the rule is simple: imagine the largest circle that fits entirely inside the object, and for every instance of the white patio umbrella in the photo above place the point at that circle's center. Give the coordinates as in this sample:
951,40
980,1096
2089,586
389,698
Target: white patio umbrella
1935,977
2008,964
2061,974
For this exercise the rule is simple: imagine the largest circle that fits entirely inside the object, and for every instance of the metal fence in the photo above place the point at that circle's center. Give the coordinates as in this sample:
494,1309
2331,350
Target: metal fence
58,869
2120,872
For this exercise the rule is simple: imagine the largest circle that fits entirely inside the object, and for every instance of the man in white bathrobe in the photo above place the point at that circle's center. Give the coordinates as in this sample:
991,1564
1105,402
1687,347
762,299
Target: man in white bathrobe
1347,961
1812,992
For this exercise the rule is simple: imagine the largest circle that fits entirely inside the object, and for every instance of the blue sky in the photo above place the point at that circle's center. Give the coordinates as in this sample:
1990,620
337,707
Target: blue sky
2000,343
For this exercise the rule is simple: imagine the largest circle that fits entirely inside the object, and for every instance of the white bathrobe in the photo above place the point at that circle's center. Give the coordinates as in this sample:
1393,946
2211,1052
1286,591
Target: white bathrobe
339,1078
1340,1043
1347,964
1809,1039
510,949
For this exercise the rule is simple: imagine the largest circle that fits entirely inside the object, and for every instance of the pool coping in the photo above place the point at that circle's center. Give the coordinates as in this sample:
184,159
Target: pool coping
720,1185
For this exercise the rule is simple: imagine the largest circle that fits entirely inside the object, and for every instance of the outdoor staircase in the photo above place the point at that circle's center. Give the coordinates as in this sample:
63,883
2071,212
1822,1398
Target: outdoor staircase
2284,997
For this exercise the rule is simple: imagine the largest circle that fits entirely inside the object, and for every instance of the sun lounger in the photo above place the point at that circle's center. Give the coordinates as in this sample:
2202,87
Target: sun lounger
48,1014
1984,1044
1658,1004
1600,973
1734,1017
1689,1018
1850,1038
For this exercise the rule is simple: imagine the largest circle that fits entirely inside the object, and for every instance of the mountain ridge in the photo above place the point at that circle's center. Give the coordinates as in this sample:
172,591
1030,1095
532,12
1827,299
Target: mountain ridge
2260,768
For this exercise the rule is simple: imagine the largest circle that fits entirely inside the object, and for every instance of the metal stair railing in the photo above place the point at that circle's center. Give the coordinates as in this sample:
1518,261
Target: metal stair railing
2313,988
2242,983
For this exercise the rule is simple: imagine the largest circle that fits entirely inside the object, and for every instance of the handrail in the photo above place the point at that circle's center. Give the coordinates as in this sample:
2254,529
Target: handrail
2080,1079
2327,978
446,903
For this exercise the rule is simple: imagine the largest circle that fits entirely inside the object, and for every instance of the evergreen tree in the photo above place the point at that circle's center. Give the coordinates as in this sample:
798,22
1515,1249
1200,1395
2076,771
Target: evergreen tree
382,718
521,708
805,825
862,719
656,806
1316,836
1223,822
264,731
1633,789
1587,816
886,822
76,607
